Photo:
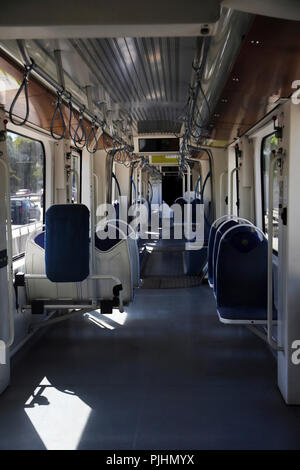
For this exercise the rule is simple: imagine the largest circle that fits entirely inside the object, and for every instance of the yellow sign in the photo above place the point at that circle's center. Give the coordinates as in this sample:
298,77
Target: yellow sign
163,159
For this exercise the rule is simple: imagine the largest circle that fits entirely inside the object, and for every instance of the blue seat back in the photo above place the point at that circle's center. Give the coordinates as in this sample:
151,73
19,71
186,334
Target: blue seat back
219,232
241,270
211,242
67,243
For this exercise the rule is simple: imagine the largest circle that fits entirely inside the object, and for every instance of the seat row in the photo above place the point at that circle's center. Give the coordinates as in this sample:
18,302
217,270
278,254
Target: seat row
57,270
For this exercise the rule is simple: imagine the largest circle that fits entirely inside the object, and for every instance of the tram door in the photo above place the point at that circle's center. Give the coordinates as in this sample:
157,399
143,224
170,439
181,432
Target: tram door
171,185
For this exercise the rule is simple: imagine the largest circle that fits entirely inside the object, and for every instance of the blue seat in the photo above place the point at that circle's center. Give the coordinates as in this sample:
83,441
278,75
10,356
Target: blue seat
210,249
67,243
40,240
241,277
194,261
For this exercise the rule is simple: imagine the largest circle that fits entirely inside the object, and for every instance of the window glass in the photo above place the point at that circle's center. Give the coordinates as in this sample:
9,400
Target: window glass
26,161
269,144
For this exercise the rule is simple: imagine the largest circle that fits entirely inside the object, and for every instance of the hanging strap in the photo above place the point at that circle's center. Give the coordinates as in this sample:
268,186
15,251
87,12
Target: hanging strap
24,85
58,111
92,135
80,126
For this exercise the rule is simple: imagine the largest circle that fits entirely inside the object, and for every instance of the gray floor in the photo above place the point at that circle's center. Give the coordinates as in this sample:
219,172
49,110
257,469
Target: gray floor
163,266
170,377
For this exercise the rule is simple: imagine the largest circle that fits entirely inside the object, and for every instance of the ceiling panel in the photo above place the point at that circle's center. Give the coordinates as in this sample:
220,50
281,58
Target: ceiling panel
147,78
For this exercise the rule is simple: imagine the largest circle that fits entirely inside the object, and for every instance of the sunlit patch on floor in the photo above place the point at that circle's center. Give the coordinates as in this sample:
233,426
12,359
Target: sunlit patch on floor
107,320
59,417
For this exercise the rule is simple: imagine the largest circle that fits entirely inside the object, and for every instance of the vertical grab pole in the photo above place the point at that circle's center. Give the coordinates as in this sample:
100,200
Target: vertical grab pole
140,184
96,188
77,182
221,190
271,341
93,217
236,169
59,68
189,181
196,188
188,206
10,340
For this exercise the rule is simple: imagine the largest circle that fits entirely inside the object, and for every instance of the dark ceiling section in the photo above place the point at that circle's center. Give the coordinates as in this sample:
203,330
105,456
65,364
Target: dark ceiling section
148,77
148,127
267,64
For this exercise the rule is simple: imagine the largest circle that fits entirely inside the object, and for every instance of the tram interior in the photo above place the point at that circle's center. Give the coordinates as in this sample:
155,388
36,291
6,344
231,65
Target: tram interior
149,225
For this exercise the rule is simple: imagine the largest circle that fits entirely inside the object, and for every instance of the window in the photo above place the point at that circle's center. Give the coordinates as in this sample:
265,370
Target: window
26,159
269,144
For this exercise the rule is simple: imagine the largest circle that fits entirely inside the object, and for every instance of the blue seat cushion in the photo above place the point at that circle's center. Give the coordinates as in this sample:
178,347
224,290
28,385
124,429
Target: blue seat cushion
67,243
237,313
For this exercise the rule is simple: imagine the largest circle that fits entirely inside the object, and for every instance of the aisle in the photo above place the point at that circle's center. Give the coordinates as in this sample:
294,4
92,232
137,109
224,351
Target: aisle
165,375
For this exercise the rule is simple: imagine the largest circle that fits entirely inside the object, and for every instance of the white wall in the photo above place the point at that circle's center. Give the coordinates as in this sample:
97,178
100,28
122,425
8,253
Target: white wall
219,180
289,257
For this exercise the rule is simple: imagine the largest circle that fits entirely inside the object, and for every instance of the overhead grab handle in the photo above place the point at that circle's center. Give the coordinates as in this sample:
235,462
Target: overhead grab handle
58,112
80,128
92,136
23,86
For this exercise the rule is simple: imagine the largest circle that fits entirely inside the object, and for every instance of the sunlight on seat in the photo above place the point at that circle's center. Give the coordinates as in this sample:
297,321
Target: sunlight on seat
58,417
